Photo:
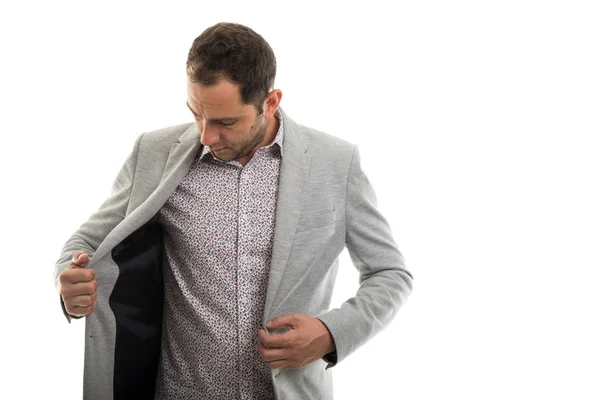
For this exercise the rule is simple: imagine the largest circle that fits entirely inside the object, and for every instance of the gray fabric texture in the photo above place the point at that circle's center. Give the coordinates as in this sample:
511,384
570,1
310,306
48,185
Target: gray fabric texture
325,202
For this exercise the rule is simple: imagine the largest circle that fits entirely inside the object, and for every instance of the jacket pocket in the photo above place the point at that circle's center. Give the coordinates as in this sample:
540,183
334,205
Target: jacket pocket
309,221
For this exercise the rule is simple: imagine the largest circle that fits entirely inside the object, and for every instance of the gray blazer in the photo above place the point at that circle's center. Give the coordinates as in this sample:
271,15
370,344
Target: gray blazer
325,202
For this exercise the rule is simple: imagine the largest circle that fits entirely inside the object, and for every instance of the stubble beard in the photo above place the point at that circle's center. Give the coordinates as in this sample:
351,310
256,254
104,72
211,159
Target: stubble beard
256,135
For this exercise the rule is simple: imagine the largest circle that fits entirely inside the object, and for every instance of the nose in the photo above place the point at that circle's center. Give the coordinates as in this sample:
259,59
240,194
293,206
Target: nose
209,134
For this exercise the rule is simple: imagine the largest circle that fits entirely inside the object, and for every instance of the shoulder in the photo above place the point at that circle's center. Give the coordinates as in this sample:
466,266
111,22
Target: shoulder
330,156
315,140
170,134
162,139
322,140
329,152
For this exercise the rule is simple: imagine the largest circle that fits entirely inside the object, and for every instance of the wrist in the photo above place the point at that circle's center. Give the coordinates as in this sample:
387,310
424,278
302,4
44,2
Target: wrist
328,342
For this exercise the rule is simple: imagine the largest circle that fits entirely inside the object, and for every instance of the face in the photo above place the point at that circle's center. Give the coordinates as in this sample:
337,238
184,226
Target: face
230,129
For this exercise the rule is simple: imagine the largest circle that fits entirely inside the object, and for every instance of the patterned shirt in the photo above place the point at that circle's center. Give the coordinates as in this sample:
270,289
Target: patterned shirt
219,226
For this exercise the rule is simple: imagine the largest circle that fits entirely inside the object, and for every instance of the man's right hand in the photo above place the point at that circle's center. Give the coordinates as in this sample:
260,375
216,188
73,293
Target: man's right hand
78,286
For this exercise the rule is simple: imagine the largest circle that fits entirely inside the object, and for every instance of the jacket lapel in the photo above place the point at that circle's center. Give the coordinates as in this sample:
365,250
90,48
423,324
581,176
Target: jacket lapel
293,177
181,155
180,159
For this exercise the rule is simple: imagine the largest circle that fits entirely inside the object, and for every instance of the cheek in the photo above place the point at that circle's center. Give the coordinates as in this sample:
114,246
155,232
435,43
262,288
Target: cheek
235,136
226,137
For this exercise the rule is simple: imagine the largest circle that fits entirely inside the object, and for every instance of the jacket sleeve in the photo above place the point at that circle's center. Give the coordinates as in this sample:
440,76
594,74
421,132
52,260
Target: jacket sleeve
385,282
89,236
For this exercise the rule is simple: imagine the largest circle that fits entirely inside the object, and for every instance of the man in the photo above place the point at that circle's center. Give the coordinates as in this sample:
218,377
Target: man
209,271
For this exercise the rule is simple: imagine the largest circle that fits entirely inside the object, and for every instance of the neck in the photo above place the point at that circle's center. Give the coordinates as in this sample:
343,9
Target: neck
272,128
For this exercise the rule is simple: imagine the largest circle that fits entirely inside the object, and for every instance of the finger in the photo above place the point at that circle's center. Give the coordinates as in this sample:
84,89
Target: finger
270,355
70,289
80,259
281,364
275,341
76,275
282,321
80,311
74,282
82,301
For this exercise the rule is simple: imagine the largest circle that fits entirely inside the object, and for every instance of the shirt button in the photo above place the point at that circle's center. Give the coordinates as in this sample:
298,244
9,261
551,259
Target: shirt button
245,382
245,342
244,300
244,258
244,217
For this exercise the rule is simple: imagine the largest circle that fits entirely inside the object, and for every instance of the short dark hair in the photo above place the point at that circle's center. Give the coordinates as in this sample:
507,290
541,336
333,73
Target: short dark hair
237,53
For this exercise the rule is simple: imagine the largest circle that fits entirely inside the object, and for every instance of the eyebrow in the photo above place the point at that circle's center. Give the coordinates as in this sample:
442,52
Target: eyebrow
228,119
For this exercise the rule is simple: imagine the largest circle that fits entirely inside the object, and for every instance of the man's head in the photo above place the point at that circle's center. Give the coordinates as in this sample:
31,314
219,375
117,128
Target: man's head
231,72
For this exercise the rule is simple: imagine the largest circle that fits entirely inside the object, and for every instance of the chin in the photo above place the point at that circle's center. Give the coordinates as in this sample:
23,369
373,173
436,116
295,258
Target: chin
225,155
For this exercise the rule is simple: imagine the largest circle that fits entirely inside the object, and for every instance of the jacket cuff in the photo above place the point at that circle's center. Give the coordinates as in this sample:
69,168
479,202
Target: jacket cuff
331,358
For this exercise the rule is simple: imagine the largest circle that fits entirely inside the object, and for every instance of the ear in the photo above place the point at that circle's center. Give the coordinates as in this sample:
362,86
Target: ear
271,103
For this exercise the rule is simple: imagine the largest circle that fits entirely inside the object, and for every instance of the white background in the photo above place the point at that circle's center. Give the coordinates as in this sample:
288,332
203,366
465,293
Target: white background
478,124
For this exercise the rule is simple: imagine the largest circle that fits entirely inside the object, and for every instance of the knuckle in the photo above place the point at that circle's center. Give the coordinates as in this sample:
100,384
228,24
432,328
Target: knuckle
62,278
77,275
89,274
91,287
69,308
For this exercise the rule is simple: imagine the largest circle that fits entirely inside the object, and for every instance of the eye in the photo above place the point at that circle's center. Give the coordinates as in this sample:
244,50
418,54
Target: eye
227,123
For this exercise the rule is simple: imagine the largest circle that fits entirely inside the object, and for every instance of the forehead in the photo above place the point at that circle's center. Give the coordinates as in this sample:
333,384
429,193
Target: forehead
221,99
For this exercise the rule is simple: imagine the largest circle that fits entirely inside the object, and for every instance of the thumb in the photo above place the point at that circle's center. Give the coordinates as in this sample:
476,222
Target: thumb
80,259
282,321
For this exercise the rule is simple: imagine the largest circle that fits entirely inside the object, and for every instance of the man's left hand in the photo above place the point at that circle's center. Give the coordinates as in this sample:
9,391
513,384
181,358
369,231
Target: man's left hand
307,340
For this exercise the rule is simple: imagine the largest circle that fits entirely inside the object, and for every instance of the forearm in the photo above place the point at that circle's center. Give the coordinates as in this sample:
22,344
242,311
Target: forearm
363,316
93,232
89,236
385,282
